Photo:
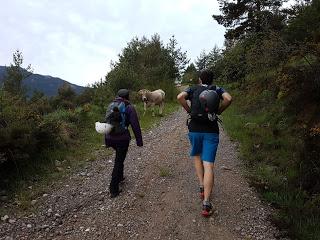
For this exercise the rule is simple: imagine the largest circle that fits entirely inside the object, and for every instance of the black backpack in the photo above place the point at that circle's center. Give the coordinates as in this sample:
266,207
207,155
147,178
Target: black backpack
117,117
199,111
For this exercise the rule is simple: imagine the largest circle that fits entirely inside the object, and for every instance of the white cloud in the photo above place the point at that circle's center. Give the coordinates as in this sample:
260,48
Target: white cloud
76,40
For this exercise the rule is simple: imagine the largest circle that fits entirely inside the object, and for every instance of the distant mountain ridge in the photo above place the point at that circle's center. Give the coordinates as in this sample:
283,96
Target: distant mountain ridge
47,84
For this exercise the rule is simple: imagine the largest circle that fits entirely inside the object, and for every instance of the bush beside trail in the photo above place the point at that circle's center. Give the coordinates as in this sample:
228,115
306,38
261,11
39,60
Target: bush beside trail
27,137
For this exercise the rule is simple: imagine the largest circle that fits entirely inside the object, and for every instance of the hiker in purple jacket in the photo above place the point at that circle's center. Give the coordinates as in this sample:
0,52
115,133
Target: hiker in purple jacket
120,142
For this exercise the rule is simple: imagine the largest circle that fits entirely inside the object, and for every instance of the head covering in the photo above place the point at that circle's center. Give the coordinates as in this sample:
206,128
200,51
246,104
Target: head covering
124,93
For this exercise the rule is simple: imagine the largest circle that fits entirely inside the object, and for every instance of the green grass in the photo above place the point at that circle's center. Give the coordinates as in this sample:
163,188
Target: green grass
270,148
147,120
35,179
164,172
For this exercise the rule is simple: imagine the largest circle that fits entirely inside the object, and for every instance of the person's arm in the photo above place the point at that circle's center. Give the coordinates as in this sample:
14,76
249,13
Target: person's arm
135,125
182,100
226,101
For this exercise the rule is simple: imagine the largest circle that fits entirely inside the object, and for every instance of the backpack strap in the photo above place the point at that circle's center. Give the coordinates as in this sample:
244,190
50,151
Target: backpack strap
212,87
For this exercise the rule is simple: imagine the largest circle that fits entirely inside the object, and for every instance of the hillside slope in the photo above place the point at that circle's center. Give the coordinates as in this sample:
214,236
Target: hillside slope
47,84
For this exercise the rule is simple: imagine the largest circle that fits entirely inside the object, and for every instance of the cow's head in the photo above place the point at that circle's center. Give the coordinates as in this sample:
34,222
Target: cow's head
143,94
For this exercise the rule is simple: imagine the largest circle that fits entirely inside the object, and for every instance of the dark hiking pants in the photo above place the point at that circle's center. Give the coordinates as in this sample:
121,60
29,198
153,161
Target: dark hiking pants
117,173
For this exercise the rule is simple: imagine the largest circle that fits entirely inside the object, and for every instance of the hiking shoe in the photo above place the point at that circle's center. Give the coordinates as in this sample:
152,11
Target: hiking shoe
201,193
115,194
206,209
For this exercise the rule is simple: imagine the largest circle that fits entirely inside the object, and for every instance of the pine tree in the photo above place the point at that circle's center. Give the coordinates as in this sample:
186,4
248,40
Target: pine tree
190,75
180,58
15,75
249,16
202,61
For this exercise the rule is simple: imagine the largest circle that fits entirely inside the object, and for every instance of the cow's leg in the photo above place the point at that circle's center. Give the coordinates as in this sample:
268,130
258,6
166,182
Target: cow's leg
152,106
161,108
144,107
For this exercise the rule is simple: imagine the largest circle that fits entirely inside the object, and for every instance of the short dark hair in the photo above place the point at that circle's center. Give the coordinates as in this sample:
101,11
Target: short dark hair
206,76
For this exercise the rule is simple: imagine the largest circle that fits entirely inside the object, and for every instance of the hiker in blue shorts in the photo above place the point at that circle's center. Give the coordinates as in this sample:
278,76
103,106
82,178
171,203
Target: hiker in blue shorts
207,101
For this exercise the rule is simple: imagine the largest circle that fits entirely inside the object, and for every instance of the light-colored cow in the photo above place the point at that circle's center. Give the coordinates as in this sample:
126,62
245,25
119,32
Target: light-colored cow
150,99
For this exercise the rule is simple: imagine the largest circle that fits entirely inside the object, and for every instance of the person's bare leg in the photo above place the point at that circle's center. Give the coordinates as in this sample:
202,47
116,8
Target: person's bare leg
199,169
208,179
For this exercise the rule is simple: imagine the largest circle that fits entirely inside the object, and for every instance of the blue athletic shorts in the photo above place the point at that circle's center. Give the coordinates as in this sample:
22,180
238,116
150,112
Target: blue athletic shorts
204,144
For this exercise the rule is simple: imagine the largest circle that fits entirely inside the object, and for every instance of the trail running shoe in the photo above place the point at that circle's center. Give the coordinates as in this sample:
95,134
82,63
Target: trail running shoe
206,209
201,193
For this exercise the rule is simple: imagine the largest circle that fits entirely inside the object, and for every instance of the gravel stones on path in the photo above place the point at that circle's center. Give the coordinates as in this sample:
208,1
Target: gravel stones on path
159,198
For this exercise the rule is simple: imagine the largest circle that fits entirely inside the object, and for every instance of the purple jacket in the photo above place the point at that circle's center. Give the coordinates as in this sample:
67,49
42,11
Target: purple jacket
122,140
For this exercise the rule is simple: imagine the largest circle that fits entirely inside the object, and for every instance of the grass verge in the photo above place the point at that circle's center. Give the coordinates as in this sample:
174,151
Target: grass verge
270,147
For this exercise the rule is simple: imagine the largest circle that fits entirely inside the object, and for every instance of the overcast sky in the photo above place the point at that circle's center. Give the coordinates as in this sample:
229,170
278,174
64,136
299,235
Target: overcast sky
76,40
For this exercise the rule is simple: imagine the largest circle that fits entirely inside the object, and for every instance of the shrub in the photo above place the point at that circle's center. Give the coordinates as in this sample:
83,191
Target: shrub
17,126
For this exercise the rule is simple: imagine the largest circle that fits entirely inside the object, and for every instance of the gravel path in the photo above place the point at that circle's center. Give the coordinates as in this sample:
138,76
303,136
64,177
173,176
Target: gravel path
159,198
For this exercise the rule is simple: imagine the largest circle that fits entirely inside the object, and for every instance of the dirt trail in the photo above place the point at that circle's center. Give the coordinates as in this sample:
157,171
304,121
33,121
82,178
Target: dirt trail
159,198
